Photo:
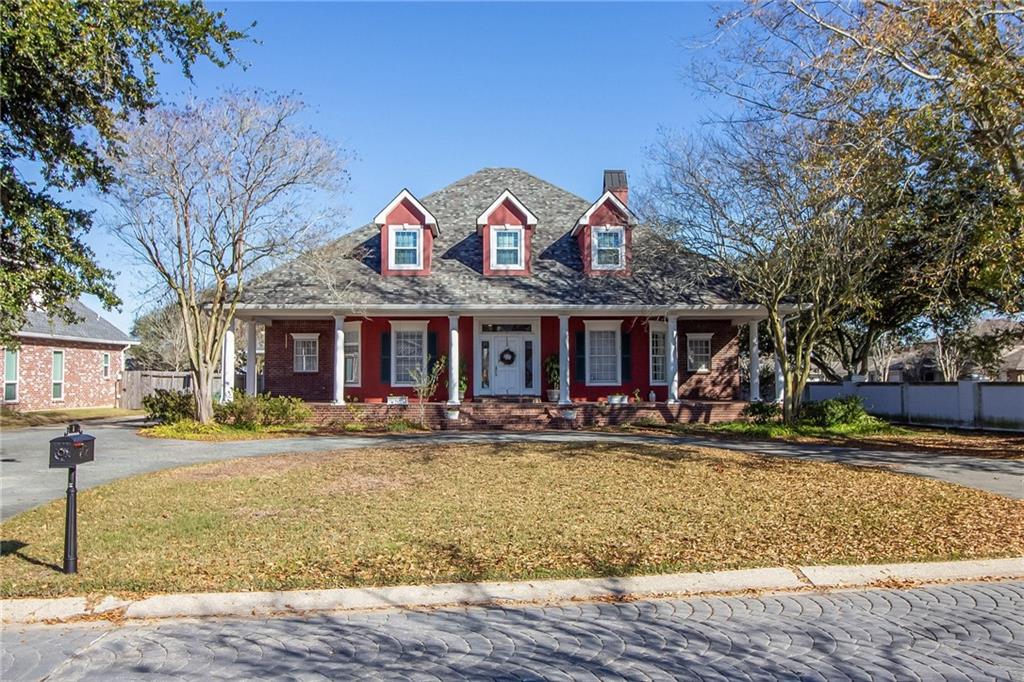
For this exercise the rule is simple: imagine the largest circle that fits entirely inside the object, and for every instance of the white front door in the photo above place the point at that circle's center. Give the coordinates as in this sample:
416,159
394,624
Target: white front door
506,365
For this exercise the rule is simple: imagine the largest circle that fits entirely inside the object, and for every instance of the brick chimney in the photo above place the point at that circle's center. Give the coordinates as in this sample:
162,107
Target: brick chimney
615,182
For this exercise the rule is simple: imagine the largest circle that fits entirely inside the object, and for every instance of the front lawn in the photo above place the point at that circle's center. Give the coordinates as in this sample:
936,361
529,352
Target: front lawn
493,512
9,419
875,435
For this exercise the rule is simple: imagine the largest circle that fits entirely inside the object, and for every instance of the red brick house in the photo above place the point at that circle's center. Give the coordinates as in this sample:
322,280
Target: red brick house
498,272
60,365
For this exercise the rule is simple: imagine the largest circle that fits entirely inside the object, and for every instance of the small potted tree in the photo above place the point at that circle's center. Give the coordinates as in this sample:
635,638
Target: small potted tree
554,376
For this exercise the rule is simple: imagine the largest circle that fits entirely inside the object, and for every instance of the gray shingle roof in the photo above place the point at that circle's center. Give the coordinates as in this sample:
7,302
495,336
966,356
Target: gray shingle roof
353,262
92,326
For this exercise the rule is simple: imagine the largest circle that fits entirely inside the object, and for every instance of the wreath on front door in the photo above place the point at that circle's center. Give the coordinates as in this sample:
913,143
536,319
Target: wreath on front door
507,357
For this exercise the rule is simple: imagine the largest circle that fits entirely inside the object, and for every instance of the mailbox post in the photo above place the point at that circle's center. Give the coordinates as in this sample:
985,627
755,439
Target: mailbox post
67,452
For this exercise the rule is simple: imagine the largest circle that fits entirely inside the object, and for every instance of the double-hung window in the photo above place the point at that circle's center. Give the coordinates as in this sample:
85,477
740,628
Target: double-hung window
405,247
698,353
57,375
353,347
609,248
10,375
604,359
658,353
408,352
306,352
105,365
507,247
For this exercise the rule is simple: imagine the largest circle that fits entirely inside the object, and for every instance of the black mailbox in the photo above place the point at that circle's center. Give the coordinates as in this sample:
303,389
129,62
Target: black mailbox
71,449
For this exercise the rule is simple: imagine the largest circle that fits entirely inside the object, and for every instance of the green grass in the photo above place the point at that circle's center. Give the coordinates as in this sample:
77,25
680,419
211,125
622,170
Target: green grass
10,419
492,512
871,427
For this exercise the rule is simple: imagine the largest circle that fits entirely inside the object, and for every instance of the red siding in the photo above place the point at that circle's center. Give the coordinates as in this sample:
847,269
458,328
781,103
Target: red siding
506,214
721,383
406,214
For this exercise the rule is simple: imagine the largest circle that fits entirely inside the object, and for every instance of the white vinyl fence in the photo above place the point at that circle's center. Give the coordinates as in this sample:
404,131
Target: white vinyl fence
977,404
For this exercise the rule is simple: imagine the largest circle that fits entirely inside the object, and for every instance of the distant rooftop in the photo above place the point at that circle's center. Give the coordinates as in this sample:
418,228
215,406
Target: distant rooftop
92,327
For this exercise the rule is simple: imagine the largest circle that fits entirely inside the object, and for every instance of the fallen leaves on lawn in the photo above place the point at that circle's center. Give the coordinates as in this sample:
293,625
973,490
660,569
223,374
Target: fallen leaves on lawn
494,512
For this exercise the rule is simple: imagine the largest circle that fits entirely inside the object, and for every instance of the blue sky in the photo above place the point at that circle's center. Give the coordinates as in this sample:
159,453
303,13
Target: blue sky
423,94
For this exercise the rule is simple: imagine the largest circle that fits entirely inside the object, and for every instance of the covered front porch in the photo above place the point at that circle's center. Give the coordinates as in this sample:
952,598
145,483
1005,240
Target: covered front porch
590,356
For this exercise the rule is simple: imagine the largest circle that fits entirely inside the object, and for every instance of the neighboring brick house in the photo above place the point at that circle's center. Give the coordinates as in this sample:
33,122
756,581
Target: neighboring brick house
60,365
500,271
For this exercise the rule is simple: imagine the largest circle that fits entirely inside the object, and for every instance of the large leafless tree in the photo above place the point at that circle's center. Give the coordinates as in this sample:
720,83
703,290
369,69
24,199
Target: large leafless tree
791,233
212,192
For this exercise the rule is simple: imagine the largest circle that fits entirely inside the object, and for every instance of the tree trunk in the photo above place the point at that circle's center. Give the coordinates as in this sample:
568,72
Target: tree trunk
202,390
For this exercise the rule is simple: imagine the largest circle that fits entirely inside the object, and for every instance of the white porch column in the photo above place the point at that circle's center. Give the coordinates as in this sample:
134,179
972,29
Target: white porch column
250,357
227,365
453,360
672,350
780,380
563,360
339,359
755,363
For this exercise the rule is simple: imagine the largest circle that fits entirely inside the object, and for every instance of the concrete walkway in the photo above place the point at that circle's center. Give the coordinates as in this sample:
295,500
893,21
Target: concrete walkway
948,632
25,480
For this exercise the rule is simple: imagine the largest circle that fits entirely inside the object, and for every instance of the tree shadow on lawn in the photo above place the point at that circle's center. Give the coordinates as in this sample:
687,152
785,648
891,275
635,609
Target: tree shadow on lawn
14,547
668,455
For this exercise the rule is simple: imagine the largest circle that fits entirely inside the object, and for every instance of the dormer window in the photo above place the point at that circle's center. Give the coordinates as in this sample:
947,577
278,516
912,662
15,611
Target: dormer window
405,247
608,248
507,247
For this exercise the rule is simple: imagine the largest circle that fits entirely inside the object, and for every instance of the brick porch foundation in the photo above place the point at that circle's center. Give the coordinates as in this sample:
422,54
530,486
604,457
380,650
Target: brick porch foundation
527,416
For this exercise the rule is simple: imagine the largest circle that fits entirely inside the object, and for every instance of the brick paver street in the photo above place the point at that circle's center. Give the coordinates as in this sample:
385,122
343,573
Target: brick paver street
950,632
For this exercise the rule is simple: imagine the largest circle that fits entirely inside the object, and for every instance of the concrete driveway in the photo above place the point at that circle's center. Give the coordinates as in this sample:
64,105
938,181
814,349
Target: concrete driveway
25,480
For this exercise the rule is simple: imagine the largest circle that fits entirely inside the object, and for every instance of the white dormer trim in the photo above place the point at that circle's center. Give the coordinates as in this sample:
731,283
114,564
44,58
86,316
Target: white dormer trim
428,218
631,219
531,219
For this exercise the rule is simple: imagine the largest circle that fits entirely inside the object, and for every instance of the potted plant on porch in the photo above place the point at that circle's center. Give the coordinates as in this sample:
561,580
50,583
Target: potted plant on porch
553,374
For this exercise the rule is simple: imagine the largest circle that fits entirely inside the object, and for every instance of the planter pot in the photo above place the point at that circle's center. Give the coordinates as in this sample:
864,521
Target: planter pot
552,395
568,415
398,400
452,415
617,400
375,401
462,395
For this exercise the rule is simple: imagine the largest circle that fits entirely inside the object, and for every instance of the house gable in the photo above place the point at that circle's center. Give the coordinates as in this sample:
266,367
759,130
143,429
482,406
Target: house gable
407,232
604,234
506,229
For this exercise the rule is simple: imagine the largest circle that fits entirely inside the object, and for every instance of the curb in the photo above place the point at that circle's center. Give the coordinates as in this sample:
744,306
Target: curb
24,611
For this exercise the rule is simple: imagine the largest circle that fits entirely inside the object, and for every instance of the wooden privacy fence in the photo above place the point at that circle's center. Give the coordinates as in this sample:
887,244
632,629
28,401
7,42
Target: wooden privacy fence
140,383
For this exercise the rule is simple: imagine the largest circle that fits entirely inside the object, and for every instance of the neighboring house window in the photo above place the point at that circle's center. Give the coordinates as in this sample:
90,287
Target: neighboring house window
507,248
405,247
659,357
307,352
106,365
698,353
604,362
609,248
57,375
10,375
409,354
353,348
